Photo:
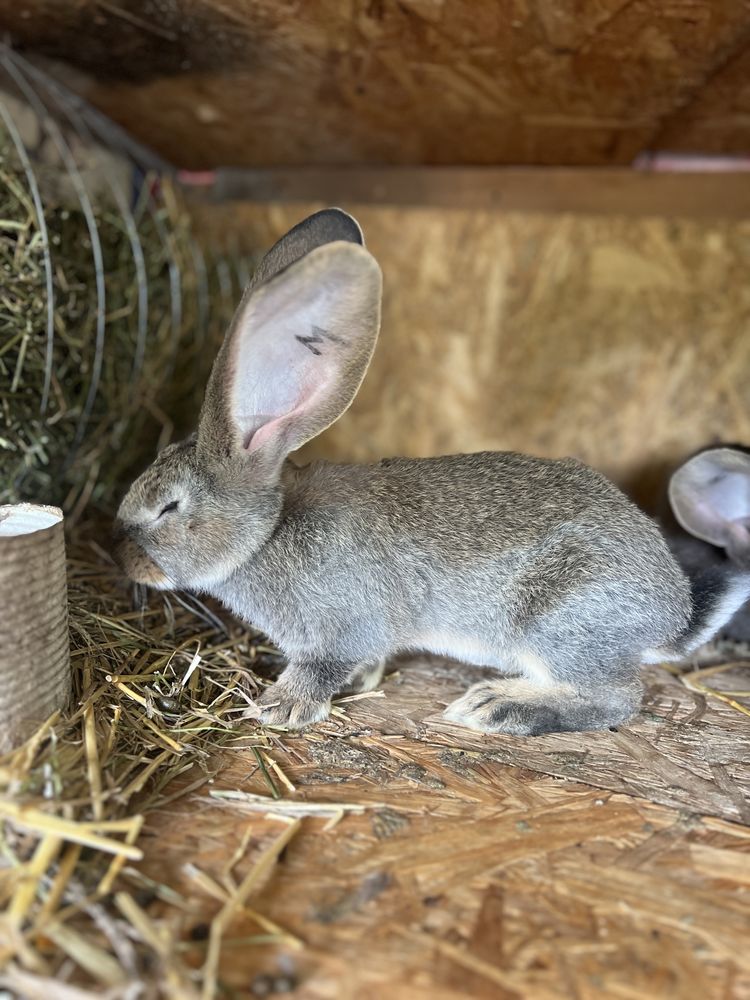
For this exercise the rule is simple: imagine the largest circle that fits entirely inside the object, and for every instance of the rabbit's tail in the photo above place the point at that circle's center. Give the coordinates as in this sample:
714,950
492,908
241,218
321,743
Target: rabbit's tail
716,598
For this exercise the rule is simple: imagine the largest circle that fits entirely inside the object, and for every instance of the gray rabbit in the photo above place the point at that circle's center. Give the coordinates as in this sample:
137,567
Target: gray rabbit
540,569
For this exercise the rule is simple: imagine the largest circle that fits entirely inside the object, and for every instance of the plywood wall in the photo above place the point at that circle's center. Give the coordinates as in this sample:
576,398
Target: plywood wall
280,82
625,342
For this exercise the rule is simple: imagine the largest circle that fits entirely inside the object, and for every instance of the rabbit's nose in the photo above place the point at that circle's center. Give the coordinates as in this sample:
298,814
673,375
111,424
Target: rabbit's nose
136,563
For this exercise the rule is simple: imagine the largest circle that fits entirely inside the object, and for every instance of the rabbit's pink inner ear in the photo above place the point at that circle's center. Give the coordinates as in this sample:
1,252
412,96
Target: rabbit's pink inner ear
299,348
701,519
271,429
710,495
269,433
258,435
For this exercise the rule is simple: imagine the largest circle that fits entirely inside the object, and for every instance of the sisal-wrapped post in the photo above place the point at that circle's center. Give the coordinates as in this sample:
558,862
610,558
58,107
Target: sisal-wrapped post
34,645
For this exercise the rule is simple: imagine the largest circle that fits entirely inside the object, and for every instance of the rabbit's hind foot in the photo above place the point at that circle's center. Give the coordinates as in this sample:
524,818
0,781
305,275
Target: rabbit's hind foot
519,708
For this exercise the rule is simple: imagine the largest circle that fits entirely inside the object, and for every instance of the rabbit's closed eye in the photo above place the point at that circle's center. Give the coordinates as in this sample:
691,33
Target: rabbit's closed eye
168,508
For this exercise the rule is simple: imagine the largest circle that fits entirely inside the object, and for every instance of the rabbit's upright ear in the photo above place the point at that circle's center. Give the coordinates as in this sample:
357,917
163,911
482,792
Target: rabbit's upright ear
710,497
331,225
295,356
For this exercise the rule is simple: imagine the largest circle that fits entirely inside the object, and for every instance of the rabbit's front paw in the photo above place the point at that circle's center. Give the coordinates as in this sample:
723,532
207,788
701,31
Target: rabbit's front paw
282,706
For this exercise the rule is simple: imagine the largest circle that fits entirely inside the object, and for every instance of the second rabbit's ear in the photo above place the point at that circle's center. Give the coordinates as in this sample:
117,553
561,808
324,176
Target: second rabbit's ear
710,497
295,356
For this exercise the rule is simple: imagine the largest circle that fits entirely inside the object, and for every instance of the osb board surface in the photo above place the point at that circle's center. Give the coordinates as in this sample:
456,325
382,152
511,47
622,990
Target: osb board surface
625,342
683,750
209,82
708,122
465,877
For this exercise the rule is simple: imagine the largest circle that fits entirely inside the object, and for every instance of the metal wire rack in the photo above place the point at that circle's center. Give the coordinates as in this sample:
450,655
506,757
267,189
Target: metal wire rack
110,306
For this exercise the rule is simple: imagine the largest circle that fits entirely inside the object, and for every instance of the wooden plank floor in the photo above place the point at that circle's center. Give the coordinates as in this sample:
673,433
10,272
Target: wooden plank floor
480,868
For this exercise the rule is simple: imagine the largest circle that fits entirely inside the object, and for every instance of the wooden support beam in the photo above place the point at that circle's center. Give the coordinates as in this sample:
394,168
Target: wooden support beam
594,191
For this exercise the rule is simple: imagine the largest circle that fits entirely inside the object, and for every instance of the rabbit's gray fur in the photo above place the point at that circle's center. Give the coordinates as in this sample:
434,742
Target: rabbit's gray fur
540,569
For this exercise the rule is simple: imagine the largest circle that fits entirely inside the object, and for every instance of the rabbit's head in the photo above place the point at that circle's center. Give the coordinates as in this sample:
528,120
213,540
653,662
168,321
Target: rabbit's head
710,498
291,363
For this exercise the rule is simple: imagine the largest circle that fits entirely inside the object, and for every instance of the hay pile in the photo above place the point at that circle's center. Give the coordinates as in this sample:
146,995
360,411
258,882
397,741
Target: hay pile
163,688
90,384
88,389
158,697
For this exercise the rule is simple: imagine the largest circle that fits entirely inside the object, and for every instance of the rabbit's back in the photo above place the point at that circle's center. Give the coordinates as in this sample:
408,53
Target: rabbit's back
486,503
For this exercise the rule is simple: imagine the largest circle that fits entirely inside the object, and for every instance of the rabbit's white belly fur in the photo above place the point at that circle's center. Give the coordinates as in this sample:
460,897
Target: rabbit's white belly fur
467,649
459,647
